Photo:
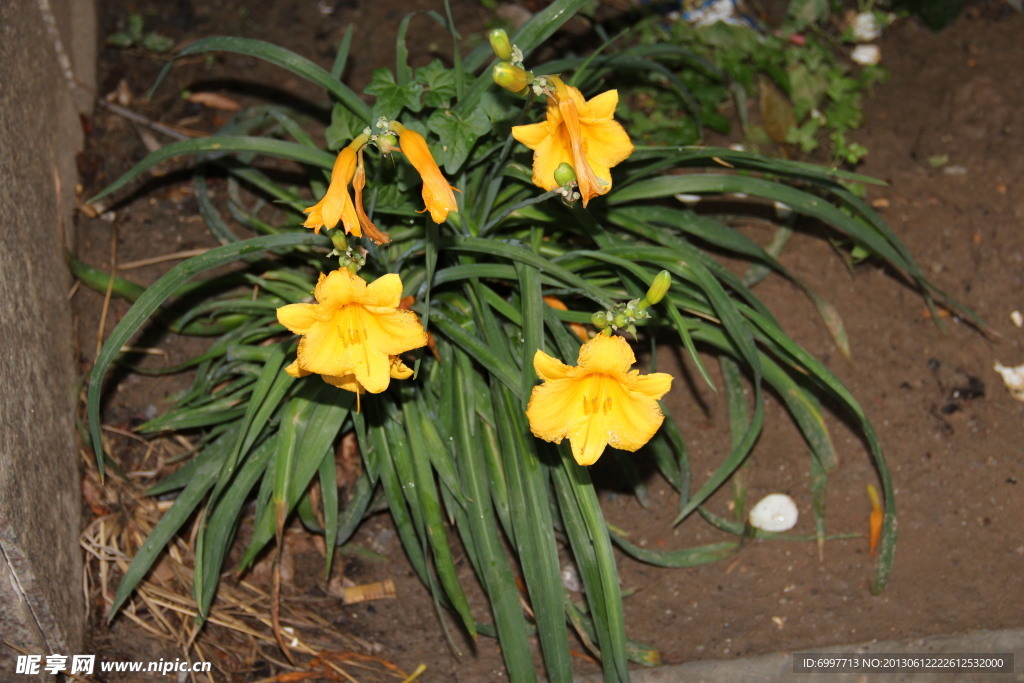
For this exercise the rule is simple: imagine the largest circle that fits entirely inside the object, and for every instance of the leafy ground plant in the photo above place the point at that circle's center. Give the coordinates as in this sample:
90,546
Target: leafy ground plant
798,84
434,272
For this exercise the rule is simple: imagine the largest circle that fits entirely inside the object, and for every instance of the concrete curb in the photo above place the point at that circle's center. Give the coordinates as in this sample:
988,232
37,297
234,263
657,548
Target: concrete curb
47,72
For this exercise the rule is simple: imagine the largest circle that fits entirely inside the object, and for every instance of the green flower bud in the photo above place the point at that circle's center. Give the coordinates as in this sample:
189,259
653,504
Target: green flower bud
510,77
599,320
620,320
659,288
564,174
500,43
338,239
387,143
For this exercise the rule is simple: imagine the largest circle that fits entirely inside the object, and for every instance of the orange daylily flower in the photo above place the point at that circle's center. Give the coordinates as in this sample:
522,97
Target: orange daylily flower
580,133
358,183
353,334
599,403
555,302
437,193
337,204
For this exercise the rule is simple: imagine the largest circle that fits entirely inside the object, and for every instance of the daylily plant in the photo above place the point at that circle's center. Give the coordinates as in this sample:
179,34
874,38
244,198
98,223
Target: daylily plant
508,282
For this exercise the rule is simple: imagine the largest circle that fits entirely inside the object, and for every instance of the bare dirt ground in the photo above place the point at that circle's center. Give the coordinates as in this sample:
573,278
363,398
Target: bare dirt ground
952,434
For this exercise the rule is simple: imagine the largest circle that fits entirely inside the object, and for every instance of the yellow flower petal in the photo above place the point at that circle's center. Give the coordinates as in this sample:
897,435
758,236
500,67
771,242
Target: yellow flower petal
399,370
600,107
549,368
532,134
608,354
550,408
297,317
599,403
384,291
338,288
346,382
295,371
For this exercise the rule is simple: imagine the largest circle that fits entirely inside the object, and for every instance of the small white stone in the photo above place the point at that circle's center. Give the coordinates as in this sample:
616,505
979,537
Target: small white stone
774,512
1013,378
1017,318
865,27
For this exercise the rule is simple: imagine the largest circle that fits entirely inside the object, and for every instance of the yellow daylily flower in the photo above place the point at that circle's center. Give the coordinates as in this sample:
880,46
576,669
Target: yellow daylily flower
353,334
437,193
580,133
600,402
336,204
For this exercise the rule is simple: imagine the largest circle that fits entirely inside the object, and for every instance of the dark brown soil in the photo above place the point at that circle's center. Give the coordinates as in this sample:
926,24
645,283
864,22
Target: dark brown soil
952,434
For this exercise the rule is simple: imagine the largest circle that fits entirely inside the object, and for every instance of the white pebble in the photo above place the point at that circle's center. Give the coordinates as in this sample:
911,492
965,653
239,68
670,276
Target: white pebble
774,512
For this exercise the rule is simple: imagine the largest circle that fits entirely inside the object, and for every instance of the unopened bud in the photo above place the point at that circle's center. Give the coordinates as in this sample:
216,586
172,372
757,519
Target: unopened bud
620,320
500,43
338,239
659,287
564,174
599,320
510,77
387,143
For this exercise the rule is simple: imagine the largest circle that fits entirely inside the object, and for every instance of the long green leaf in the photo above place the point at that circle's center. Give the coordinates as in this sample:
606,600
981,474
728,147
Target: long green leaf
286,59
495,574
529,486
223,144
188,500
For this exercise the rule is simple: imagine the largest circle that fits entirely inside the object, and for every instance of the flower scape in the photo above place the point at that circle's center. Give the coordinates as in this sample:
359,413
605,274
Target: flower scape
458,250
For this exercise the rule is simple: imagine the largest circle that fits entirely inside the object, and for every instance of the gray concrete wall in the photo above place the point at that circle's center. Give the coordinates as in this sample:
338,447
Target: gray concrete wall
47,76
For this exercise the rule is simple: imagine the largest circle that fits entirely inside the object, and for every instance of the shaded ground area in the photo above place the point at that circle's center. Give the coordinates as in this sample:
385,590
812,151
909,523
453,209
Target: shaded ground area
944,133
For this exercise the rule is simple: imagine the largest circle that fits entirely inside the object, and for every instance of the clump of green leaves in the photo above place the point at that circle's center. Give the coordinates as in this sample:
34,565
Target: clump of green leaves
807,91
135,35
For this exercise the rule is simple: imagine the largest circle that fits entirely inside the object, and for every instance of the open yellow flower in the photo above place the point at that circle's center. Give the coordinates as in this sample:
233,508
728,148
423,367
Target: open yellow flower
353,334
600,402
437,193
580,133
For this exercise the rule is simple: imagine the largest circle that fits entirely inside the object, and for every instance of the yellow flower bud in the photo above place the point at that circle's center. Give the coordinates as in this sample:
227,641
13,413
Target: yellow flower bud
659,288
511,77
500,43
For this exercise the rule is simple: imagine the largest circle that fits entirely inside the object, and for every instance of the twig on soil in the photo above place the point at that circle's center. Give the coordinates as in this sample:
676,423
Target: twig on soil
178,255
151,124
110,291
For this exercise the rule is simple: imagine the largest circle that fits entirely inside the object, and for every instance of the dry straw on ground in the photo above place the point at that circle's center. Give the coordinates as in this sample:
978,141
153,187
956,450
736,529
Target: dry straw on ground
238,637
